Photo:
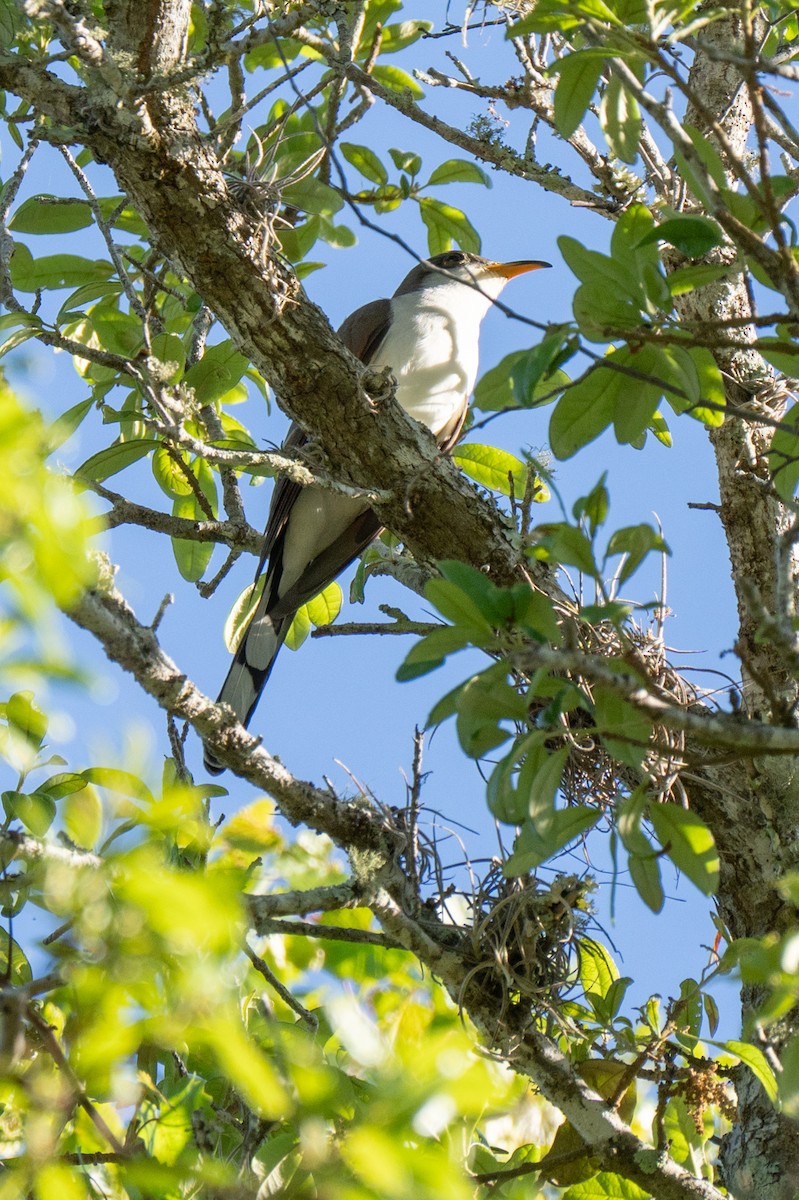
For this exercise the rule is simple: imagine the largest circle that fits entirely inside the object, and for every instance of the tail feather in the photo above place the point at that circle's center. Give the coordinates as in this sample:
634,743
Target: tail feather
249,672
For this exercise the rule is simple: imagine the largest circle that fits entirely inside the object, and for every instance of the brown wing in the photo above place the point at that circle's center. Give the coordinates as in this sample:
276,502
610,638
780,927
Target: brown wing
362,332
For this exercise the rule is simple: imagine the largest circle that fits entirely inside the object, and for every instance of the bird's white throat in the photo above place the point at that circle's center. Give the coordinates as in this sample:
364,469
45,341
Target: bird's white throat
432,346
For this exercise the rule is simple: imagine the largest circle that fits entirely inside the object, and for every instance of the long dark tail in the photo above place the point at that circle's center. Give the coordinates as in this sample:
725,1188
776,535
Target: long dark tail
251,667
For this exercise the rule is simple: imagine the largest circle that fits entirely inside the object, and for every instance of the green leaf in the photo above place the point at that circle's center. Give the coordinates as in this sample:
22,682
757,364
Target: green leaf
82,813
688,279
446,225
492,468
35,811
693,236
594,507
401,34
325,607
26,718
754,1058
495,604
65,784
457,606
18,971
191,557
430,651
299,629
397,80
637,402
592,267
689,844
644,860
122,782
636,541
620,119
54,271
240,614
495,390
365,161
48,214
567,545
313,196
168,473
64,426
624,730
606,1186
531,849
321,610
118,332
114,458
484,702
219,370
597,969
711,388
585,410
406,160
578,76
459,170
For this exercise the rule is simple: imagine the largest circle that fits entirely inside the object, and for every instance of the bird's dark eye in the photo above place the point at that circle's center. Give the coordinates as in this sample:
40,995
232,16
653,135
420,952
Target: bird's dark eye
455,259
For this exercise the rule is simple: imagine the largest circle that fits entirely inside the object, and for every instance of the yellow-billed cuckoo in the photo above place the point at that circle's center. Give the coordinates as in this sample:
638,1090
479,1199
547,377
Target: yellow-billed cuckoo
427,334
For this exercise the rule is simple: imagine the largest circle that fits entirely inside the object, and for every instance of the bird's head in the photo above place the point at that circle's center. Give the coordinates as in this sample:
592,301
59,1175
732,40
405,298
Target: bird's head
456,266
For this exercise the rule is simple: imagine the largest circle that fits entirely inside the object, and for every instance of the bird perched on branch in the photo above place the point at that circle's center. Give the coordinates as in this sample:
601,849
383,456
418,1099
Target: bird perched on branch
427,333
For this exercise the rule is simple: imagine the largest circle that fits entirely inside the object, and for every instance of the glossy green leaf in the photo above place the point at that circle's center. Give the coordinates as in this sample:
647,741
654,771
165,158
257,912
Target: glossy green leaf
365,161
597,969
531,849
54,271
219,369
624,729
457,606
688,842
240,614
325,607
754,1058
193,557
445,225
406,160
122,782
567,545
459,170
321,610
635,541
64,426
34,810
397,80
47,214
114,458
431,650
14,966
585,410
620,119
492,468
605,1186
578,76
171,471
694,236
26,718
397,36
82,814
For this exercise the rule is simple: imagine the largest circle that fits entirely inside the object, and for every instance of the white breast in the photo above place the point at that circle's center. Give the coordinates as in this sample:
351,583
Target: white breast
432,350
